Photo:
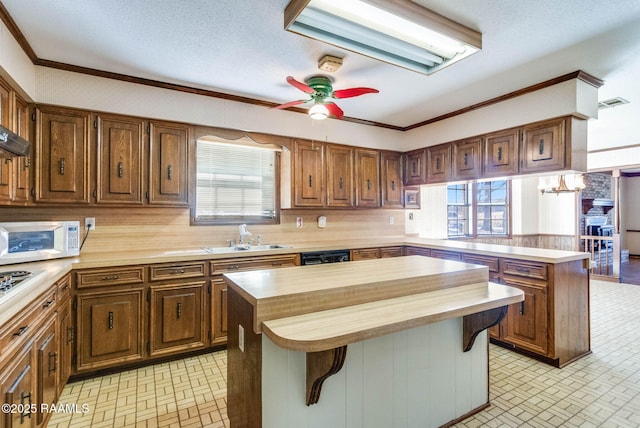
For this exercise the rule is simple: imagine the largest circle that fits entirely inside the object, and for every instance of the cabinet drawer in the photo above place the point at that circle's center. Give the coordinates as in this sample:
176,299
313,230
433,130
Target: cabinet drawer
444,254
417,251
104,277
254,263
64,288
21,327
391,252
177,271
365,254
493,263
525,269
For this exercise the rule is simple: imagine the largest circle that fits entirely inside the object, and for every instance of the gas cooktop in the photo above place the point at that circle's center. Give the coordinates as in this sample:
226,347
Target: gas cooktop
11,282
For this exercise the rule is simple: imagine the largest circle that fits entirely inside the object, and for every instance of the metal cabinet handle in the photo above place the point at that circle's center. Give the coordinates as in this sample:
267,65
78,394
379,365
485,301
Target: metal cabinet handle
61,166
48,303
177,271
234,267
499,153
393,185
169,172
522,308
120,170
541,146
465,159
110,320
70,334
310,181
368,184
179,310
437,163
276,264
27,163
341,183
26,408
110,277
523,270
22,330
53,356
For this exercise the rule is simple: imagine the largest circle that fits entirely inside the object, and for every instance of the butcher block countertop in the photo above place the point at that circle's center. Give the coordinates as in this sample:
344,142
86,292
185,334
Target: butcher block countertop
320,307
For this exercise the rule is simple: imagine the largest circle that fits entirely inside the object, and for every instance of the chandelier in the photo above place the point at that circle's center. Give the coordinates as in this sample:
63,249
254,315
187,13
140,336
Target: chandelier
561,184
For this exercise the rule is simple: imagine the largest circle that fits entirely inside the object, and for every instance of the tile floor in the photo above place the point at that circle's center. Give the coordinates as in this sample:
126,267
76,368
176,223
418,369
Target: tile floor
600,390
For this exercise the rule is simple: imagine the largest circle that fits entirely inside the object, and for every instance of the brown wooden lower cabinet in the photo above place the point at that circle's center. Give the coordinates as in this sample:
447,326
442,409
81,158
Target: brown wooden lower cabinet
176,321
47,349
219,310
17,383
110,328
552,323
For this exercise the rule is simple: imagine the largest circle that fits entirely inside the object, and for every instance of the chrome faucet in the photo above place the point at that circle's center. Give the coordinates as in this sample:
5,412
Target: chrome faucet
243,232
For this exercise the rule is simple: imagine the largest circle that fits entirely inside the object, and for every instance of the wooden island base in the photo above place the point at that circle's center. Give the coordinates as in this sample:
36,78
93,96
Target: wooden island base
419,359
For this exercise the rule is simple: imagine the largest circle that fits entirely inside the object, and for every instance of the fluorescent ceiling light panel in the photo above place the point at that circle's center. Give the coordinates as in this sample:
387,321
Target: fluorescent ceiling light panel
399,32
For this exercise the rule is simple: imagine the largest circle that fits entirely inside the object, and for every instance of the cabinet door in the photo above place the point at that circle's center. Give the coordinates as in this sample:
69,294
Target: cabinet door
6,177
415,167
544,146
110,329
308,174
218,310
340,176
391,179
500,153
176,321
47,363
526,322
168,164
120,154
62,158
391,252
467,160
417,251
447,255
368,178
22,163
439,163
17,389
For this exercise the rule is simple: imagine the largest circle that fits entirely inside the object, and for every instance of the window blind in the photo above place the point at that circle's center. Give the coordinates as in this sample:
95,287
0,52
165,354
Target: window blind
234,182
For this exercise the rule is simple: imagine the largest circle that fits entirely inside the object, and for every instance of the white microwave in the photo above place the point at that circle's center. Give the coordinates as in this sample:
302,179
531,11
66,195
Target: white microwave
38,240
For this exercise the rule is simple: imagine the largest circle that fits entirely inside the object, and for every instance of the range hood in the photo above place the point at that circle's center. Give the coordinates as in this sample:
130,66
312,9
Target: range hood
13,143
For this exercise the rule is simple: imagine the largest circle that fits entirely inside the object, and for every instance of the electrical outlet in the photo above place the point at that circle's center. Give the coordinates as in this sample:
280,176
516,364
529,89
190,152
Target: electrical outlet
391,219
90,223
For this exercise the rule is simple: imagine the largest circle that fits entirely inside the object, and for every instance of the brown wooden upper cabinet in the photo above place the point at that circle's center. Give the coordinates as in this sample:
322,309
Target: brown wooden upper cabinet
120,160
544,145
340,185
415,171
367,178
15,172
500,153
467,159
391,179
62,155
308,174
168,164
439,163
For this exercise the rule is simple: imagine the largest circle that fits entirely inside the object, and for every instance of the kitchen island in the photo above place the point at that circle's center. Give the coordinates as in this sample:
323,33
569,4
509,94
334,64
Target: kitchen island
376,343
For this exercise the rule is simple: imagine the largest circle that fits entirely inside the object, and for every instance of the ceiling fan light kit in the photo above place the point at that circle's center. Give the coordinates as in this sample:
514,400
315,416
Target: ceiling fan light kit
321,94
398,32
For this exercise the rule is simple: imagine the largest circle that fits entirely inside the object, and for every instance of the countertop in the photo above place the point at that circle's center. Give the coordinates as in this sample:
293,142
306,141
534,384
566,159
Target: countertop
55,269
314,308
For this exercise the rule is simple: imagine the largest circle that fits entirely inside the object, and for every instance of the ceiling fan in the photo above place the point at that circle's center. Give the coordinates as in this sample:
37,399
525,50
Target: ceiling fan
321,93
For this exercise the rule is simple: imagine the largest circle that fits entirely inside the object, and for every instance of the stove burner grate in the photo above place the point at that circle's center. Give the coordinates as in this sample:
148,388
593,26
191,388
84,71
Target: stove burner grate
9,280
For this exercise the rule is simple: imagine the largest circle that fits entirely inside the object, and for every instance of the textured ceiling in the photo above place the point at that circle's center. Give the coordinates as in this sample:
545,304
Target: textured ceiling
240,47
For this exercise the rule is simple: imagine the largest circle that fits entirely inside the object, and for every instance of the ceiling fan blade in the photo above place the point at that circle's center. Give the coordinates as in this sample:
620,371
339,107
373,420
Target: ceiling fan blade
353,92
290,104
334,110
303,87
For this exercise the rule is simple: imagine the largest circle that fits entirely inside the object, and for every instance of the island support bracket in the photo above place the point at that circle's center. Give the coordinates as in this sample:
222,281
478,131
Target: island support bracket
321,365
473,324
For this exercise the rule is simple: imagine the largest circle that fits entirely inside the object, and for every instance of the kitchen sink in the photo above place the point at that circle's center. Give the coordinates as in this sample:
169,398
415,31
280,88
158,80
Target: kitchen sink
220,250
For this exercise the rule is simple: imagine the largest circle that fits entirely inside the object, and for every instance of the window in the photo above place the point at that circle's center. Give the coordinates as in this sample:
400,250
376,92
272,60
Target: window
478,209
236,183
